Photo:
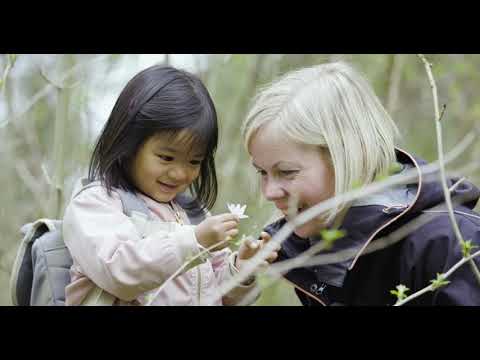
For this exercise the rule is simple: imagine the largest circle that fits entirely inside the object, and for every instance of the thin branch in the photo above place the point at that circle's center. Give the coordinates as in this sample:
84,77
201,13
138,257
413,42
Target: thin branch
467,214
61,121
445,276
444,107
182,268
32,184
454,186
56,84
465,170
48,88
395,79
11,58
438,127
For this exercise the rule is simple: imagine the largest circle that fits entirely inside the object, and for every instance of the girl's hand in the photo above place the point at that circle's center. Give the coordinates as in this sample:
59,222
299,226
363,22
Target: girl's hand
250,247
215,229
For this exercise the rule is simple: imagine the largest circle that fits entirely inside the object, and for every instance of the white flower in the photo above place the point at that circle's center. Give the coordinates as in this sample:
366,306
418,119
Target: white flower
237,209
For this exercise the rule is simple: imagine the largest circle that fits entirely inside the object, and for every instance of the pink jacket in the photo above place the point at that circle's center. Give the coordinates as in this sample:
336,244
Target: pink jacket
131,257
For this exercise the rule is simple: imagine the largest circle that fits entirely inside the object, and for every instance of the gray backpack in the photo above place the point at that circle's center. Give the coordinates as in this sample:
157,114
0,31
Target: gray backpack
41,270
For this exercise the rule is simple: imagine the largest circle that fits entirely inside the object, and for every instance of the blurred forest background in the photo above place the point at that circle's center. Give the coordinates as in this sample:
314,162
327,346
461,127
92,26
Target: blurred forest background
52,108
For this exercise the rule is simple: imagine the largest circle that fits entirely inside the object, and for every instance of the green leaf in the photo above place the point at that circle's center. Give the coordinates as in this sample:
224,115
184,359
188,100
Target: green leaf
401,292
329,236
395,168
262,280
356,184
237,241
381,177
439,282
193,262
467,248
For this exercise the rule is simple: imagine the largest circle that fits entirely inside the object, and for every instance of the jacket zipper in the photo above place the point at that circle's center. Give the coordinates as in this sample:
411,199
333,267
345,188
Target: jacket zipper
306,292
179,220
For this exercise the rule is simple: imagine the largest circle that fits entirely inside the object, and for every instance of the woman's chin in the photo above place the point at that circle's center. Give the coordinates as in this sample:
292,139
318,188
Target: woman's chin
310,229
305,231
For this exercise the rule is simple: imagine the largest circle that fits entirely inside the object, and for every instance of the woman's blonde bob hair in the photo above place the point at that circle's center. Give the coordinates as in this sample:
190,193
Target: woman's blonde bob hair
333,107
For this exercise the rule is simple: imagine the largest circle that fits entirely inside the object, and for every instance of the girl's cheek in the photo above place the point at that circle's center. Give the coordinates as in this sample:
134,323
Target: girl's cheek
195,175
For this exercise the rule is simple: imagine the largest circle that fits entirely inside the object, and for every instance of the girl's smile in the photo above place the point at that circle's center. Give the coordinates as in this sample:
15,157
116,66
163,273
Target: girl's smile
168,188
166,165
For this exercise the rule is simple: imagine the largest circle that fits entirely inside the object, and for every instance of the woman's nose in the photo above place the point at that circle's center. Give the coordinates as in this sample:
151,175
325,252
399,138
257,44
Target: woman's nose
272,190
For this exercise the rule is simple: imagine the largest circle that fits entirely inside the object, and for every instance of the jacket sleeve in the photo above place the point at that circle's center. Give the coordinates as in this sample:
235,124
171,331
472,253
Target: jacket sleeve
112,252
442,251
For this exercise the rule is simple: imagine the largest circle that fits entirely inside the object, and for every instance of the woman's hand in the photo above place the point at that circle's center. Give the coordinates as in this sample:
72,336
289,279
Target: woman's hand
216,229
250,247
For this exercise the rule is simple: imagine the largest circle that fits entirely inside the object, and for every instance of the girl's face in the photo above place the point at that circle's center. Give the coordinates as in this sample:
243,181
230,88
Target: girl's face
291,171
164,166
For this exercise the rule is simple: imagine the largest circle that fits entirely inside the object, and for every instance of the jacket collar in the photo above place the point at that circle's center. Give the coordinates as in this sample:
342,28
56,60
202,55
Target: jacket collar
373,228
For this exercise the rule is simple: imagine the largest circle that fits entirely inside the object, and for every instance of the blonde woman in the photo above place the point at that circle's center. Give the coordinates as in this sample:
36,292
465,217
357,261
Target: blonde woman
320,132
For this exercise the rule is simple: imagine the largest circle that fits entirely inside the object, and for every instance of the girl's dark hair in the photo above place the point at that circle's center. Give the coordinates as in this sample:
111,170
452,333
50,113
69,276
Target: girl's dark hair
158,99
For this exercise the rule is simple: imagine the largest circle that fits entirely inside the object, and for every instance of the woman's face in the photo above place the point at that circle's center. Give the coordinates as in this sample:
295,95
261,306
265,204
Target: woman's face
290,171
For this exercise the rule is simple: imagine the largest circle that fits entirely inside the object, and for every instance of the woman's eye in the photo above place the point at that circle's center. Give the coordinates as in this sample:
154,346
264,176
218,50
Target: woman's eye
166,157
288,172
261,172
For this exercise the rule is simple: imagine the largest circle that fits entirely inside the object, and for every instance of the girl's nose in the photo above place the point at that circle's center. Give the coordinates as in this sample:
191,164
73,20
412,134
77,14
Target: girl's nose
178,174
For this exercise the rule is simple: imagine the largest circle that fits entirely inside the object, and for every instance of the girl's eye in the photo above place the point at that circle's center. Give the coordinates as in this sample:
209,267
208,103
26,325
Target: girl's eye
196,162
166,157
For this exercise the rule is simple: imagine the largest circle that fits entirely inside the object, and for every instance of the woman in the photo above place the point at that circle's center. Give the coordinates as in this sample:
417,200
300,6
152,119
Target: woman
320,132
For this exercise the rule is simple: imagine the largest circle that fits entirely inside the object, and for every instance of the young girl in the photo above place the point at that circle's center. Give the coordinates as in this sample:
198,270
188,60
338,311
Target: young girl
321,131
159,141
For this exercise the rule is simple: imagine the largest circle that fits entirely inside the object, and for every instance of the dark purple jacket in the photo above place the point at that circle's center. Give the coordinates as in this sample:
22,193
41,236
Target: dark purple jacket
413,261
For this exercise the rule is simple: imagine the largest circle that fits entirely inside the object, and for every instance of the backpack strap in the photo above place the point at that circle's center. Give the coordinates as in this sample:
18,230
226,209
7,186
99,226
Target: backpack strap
132,203
193,209
22,270
52,263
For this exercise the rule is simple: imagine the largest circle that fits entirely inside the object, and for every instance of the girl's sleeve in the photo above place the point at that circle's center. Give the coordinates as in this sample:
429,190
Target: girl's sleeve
112,252
223,266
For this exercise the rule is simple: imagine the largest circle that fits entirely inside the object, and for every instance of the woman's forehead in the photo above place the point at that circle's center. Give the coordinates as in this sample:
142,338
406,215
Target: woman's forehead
272,140
268,151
